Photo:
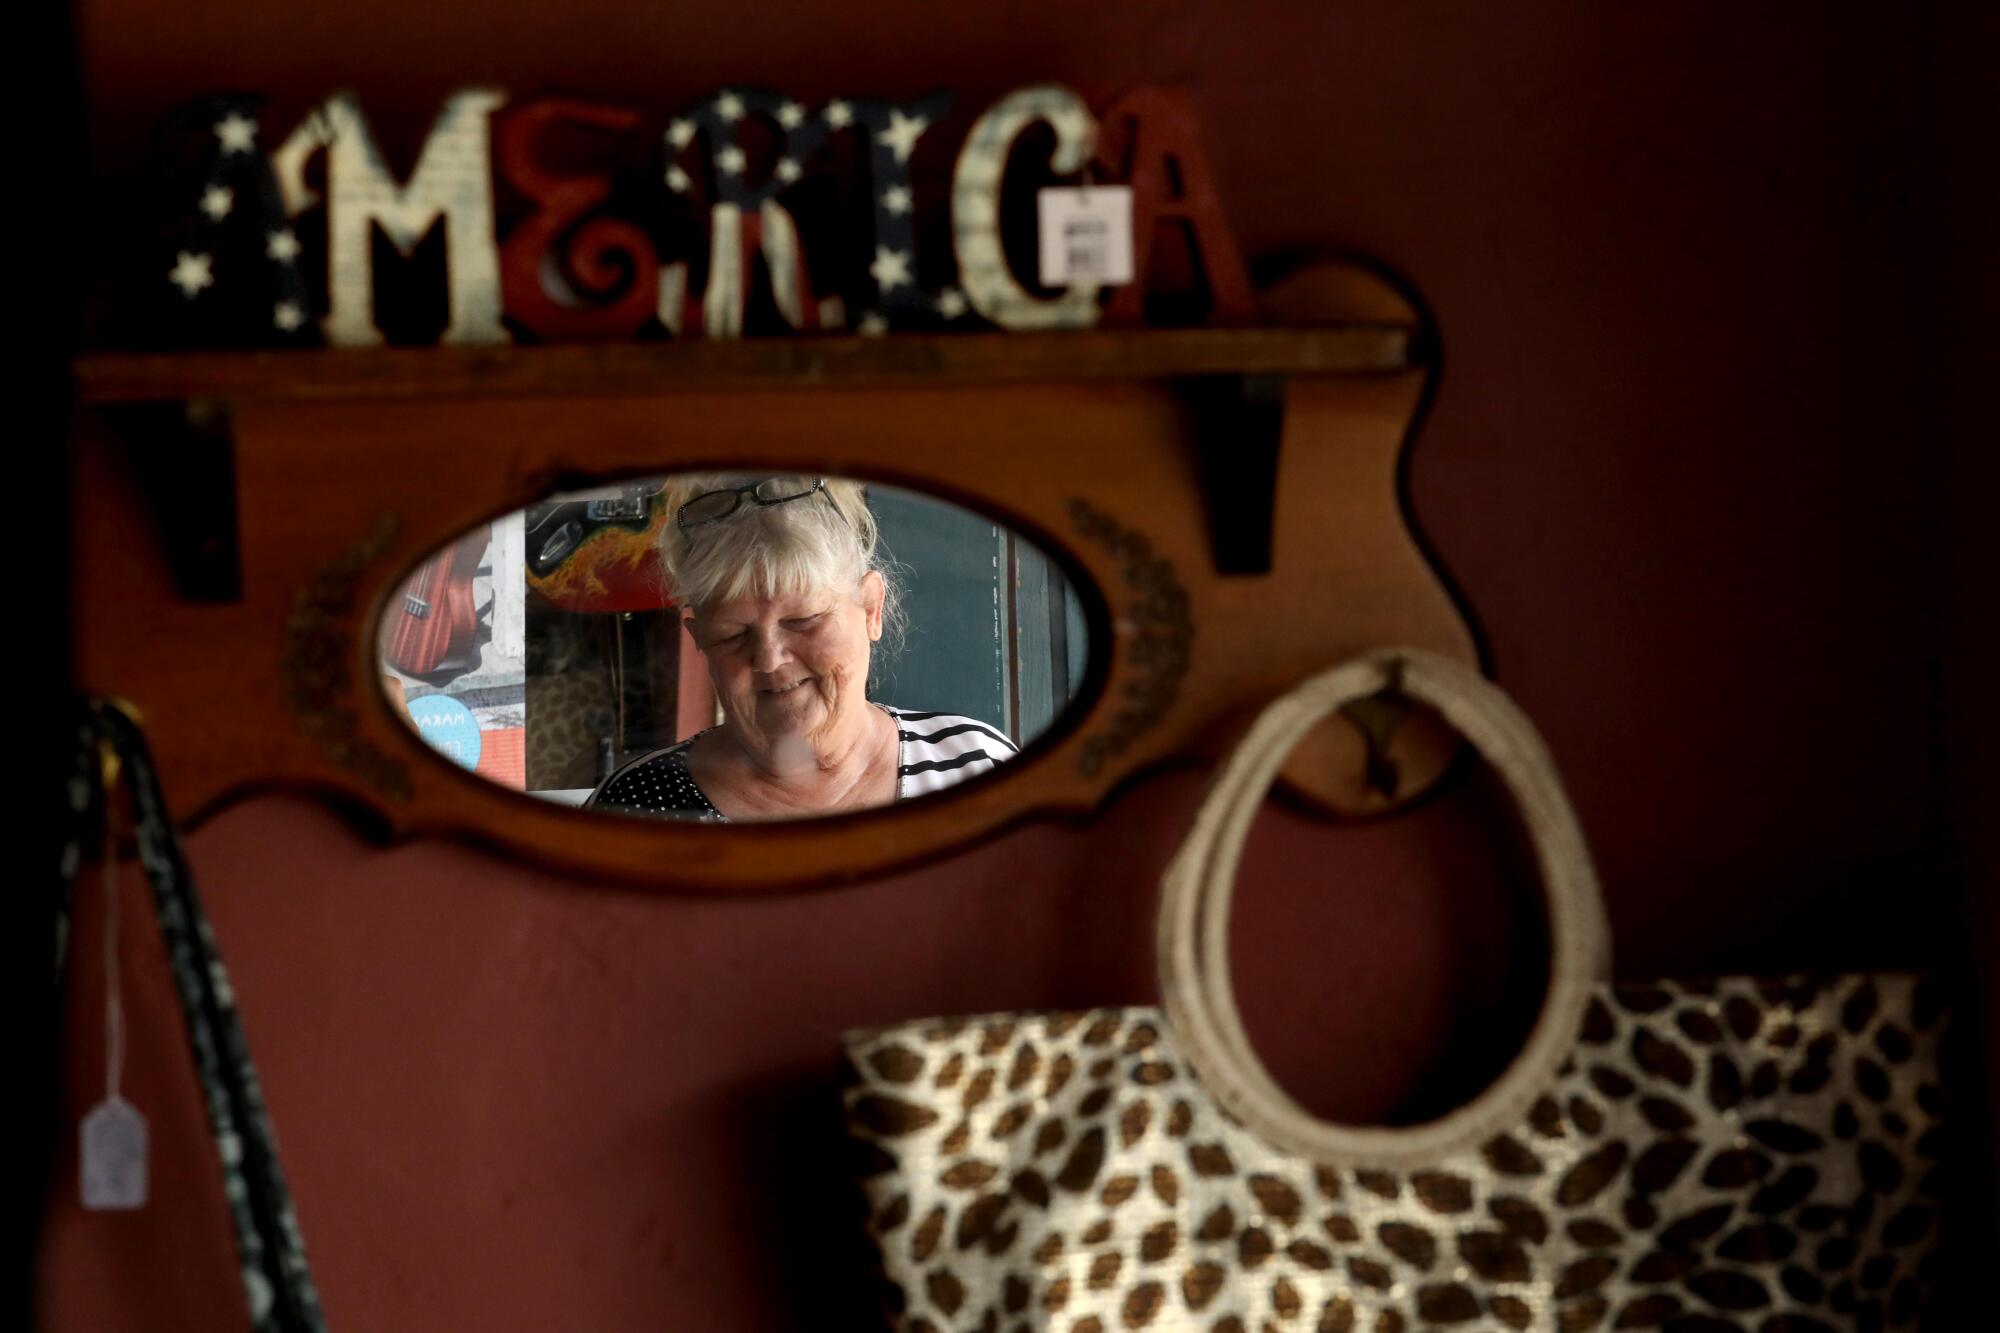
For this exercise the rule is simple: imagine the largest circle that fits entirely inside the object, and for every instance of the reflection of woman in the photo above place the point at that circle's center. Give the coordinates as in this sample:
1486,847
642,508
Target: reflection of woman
786,596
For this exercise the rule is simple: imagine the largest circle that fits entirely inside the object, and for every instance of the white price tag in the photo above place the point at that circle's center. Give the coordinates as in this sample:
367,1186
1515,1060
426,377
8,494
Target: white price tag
112,1160
114,1156
1086,235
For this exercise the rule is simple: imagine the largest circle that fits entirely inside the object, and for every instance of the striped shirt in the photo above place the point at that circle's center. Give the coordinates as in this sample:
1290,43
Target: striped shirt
934,751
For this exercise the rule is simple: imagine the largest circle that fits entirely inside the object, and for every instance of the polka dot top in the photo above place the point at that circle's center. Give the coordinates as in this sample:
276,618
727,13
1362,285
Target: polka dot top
934,751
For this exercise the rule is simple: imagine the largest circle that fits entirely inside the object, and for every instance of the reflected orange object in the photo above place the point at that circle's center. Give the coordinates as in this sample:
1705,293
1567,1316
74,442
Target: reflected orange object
503,757
614,569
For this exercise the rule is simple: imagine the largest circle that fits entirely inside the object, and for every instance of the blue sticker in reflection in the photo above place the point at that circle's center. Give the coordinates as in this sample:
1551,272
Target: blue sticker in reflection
449,727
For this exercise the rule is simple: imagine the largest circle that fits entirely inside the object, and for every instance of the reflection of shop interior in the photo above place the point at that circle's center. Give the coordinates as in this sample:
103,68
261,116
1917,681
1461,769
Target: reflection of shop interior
451,647
610,671
603,686
538,652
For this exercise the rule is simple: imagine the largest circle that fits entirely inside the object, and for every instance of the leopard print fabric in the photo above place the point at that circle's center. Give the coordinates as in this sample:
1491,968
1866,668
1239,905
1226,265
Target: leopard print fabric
1737,1154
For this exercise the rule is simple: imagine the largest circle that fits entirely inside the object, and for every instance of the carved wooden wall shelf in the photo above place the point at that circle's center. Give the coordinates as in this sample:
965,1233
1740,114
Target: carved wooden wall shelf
1229,498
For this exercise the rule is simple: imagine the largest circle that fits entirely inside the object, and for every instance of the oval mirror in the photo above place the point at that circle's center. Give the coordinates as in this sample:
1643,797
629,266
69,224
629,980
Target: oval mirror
734,647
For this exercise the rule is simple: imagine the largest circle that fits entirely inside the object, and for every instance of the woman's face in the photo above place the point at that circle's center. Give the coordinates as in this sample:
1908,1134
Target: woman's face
790,667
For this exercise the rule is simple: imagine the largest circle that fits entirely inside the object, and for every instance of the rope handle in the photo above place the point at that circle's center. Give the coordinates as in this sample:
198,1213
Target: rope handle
278,1286
1198,995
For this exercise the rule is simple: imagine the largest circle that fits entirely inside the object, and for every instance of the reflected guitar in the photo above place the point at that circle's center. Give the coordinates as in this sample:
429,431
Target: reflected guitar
433,635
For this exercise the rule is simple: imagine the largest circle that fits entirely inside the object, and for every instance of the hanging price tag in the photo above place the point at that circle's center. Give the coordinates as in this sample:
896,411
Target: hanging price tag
1086,235
113,1133
114,1156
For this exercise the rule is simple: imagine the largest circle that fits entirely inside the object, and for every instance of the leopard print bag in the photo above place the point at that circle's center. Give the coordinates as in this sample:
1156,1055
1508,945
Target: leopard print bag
1729,1154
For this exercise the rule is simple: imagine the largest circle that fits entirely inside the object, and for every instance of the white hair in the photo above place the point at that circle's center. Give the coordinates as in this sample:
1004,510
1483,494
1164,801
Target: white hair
825,542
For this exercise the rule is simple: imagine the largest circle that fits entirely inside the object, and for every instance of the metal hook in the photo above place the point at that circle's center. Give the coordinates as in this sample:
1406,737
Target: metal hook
1376,718
110,763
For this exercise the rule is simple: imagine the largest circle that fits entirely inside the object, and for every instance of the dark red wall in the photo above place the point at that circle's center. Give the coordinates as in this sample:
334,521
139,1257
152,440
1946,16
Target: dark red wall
1684,463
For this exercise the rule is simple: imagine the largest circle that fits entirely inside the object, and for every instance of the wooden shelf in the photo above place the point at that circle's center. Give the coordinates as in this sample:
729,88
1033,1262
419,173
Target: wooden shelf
623,368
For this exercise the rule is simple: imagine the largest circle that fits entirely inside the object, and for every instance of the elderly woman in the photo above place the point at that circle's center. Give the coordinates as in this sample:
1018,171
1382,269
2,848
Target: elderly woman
786,597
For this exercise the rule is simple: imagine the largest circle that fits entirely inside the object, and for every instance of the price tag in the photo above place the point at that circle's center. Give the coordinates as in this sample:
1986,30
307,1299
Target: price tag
1086,235
114,1156
113,1133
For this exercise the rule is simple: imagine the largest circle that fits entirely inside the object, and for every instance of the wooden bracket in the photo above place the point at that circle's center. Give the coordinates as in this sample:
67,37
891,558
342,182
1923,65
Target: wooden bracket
1238,421
184,455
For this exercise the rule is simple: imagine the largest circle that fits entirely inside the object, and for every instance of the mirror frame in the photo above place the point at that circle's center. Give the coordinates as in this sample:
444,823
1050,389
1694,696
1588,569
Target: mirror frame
1107,450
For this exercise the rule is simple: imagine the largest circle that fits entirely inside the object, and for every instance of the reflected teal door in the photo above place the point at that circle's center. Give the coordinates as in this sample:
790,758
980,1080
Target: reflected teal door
994,631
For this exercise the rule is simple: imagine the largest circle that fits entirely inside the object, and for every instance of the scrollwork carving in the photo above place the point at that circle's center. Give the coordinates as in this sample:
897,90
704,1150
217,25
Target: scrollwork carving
318,662
1154,631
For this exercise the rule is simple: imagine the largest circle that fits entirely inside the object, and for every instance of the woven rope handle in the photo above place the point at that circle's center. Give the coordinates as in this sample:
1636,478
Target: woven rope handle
1197,993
